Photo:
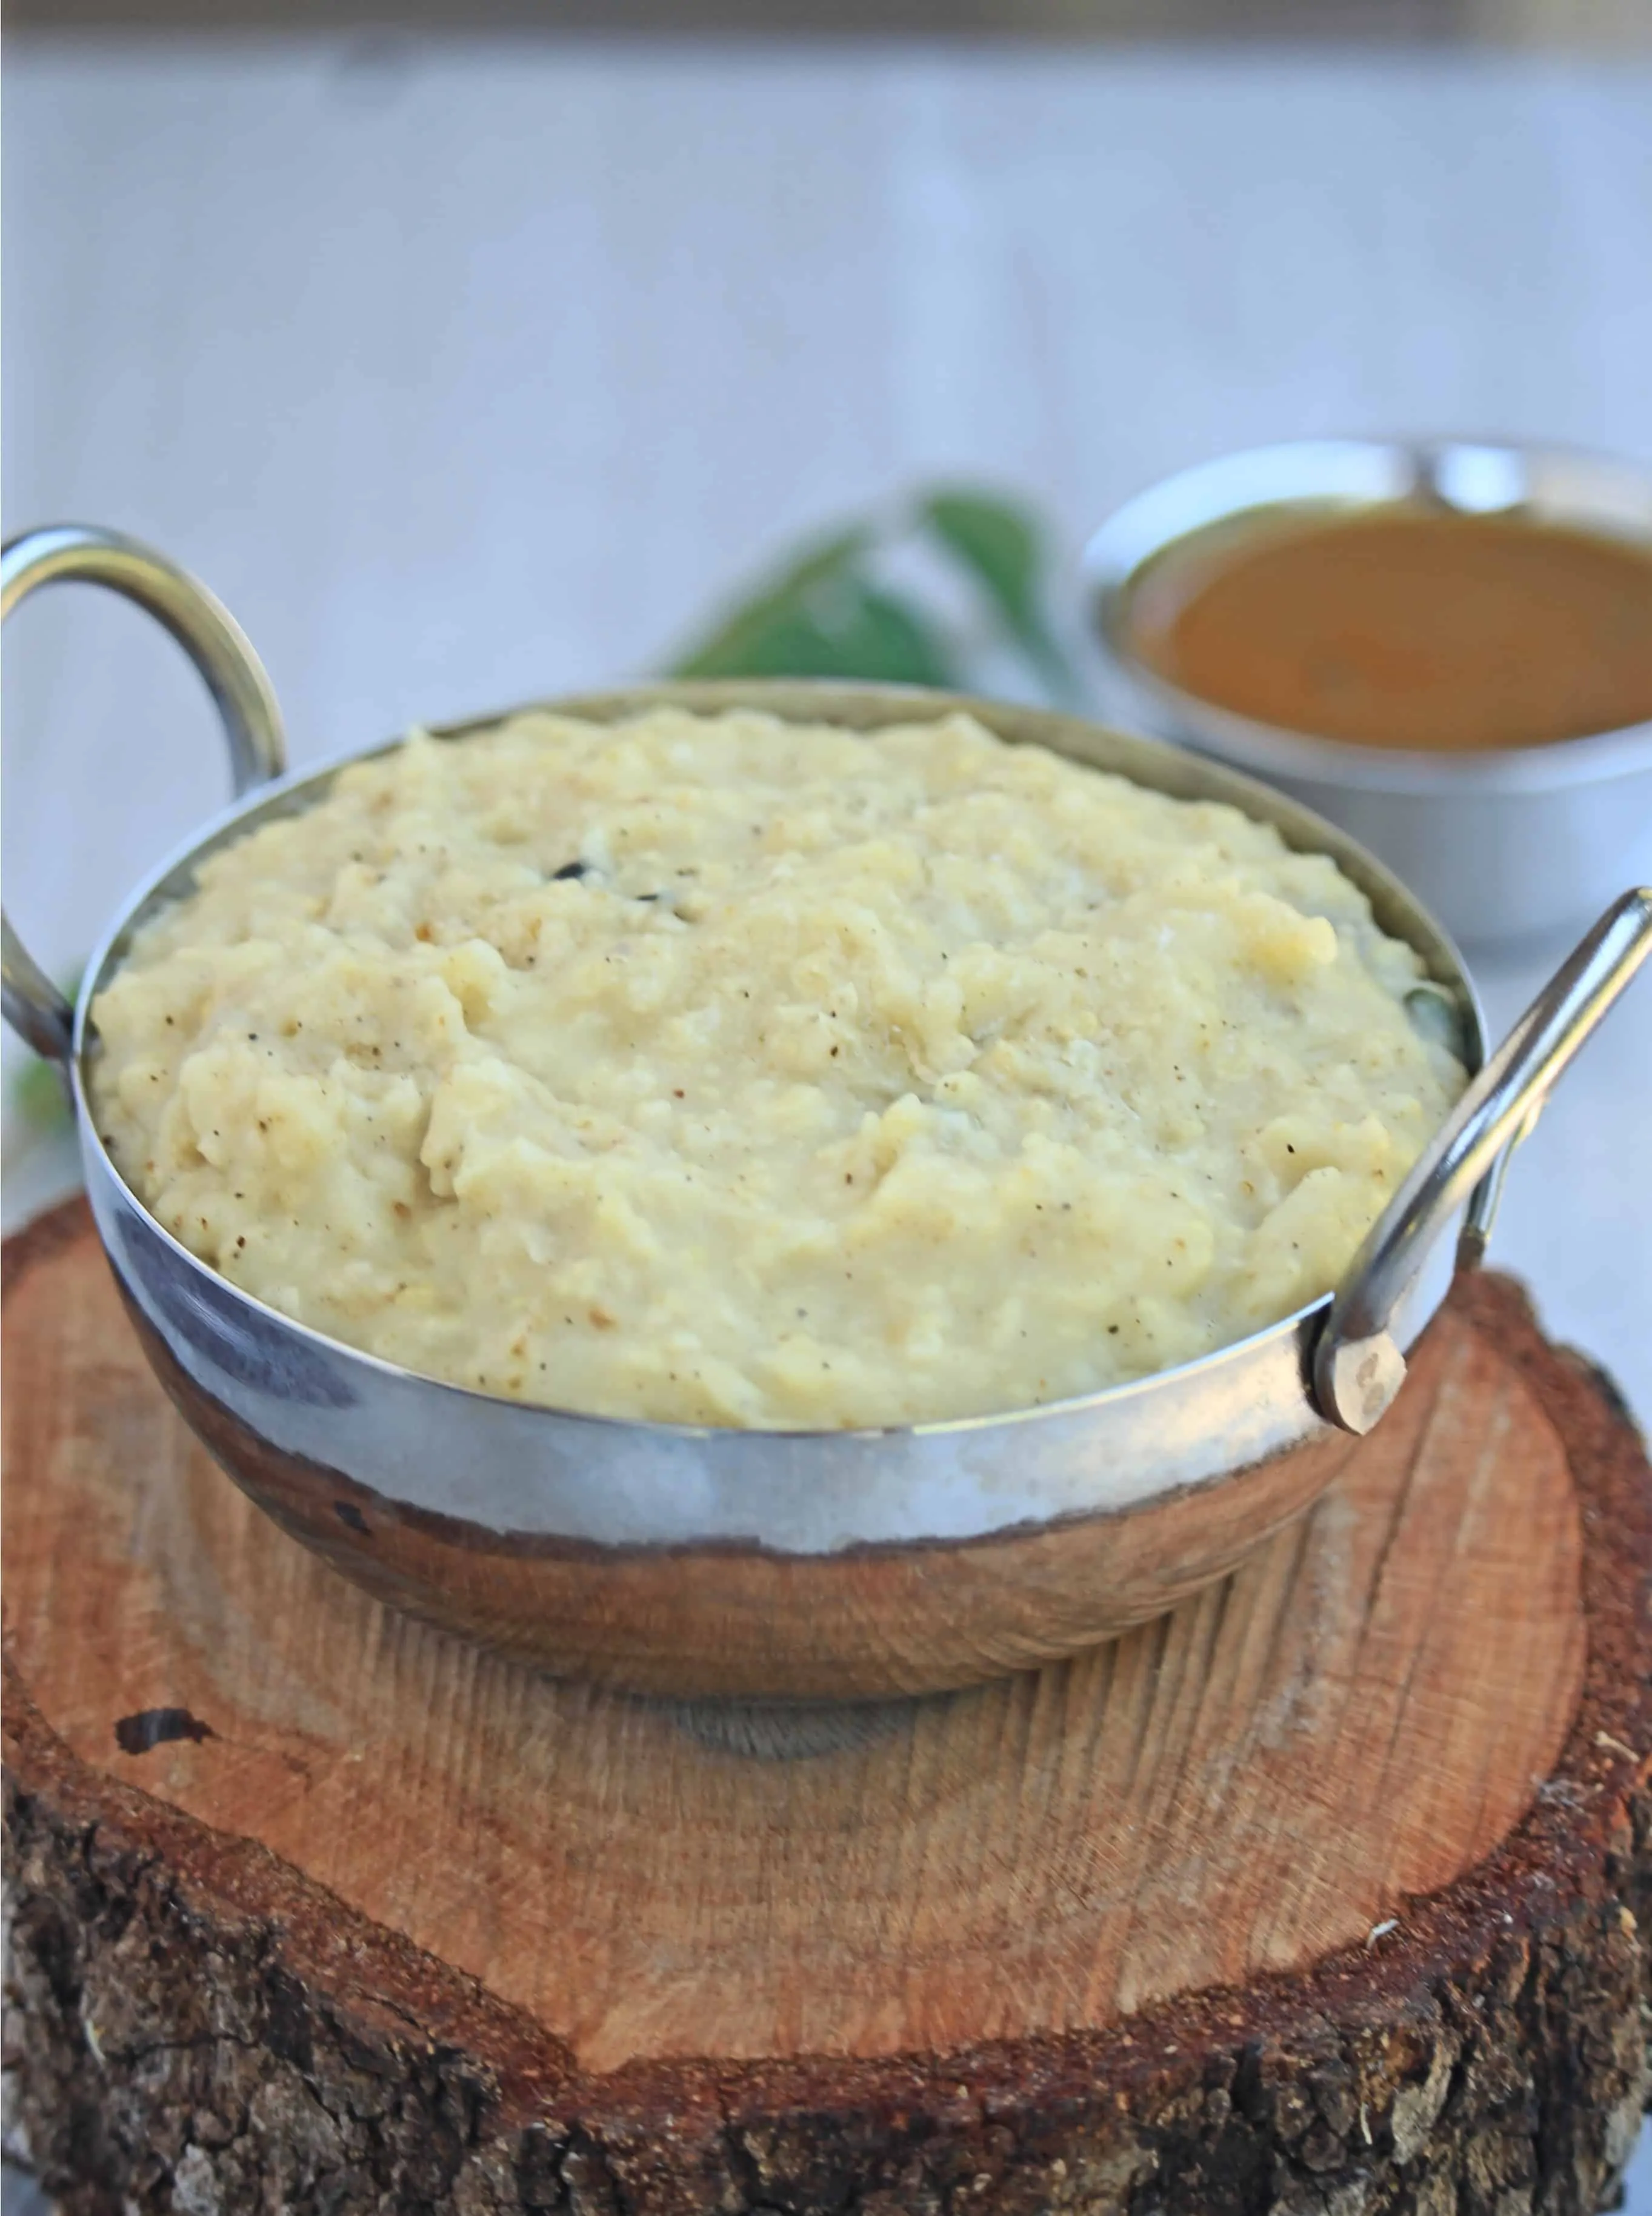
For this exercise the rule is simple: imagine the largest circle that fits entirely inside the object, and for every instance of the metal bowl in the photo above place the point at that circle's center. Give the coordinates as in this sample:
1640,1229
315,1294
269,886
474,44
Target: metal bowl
786,1565
1520,843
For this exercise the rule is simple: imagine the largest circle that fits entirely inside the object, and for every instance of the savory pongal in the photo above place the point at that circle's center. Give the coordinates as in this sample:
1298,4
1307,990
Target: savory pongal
715,1069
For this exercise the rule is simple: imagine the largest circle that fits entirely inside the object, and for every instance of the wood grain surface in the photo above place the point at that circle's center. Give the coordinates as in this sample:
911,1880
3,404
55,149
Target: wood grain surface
1357,1715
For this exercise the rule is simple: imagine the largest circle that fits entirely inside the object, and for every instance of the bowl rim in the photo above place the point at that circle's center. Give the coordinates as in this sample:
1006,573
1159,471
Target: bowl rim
300,787
1576,485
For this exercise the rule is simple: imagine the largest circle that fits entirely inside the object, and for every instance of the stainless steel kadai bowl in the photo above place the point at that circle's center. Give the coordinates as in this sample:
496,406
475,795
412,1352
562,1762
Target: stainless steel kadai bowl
780,1566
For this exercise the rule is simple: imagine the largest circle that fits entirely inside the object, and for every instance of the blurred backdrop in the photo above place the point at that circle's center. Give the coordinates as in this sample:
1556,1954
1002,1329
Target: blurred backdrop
1548,23
1569,24
470,355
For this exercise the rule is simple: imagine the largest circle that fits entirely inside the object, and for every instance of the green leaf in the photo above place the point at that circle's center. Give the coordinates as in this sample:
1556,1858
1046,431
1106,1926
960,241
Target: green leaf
877,636
999,544
42,1101
823,618
781,642
38,1089
852,632
745,641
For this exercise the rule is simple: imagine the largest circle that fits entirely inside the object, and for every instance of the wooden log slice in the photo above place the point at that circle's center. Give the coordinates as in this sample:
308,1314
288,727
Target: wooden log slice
1324,1895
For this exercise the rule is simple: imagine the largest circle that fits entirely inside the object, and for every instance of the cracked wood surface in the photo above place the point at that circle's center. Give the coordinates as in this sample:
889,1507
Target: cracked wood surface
1159,1914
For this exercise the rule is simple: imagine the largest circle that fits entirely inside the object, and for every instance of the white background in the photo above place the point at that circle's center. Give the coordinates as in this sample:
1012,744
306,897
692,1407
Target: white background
467,374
